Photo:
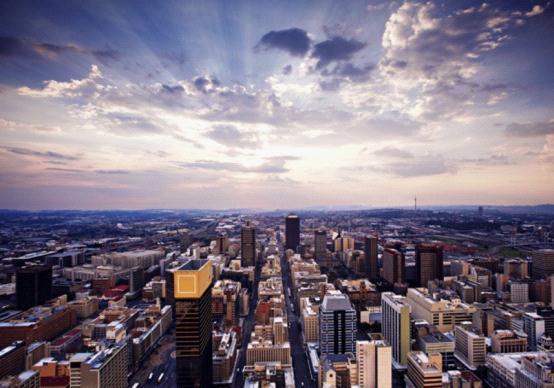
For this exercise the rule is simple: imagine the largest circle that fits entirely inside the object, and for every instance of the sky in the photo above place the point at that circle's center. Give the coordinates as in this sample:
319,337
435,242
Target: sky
275,104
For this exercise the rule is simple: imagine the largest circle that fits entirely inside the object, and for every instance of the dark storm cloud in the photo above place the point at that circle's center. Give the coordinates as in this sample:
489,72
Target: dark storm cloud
335,49
13,46
40,154
344,72
295,41
206,84
173,89
530,129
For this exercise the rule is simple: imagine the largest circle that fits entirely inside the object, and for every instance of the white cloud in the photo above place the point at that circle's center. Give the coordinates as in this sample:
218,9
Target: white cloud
72,88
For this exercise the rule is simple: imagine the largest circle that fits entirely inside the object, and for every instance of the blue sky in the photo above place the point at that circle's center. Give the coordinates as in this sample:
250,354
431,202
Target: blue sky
275,104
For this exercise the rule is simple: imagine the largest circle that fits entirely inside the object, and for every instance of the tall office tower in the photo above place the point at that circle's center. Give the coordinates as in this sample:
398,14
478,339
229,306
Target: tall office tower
374,364
136,279
33,285
535,324
292,232
337,324
429,263
192,291
248,245
394,266
471,348
320,243
543,263
370,252
424,371
396,326
221,244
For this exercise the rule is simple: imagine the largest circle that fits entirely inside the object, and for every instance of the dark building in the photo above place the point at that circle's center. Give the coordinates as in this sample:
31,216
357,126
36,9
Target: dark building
370,252
12,359
429,263
192,302
394,264
33,286
337,325
136,279
320,243
292,232
248,245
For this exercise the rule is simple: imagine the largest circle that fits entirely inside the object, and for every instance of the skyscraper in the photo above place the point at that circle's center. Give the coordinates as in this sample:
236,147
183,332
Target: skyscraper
337,324
393,266
33,285
248,245
320,243
192,290
292,232
370,252
543,263
396,325
429,263
374,364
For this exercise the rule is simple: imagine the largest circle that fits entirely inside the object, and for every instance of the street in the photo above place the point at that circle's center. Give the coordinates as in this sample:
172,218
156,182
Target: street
162,360
247,329
299,359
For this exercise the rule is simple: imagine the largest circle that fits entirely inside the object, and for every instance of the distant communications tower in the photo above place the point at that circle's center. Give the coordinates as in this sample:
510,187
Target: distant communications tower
415,203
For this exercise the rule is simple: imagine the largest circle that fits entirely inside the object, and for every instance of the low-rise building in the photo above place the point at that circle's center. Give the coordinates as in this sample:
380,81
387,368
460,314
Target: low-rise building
508,341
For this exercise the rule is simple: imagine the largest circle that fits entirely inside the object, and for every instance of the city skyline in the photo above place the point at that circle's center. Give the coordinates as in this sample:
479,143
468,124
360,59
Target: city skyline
275,105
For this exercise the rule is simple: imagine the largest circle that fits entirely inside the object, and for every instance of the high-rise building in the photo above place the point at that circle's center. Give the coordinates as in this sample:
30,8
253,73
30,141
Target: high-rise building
221,244
136,279
337,324
248,245
33,285
292,232
394,264
537,324
471,348
370,252
192,295
429,263
543,263
374,364
320,243
396,326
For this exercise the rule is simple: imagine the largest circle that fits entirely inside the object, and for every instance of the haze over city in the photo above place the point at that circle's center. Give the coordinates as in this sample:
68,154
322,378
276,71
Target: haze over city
277,194
270,105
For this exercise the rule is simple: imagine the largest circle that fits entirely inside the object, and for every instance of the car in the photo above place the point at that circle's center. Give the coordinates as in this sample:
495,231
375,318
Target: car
150,376
160,378
135,385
